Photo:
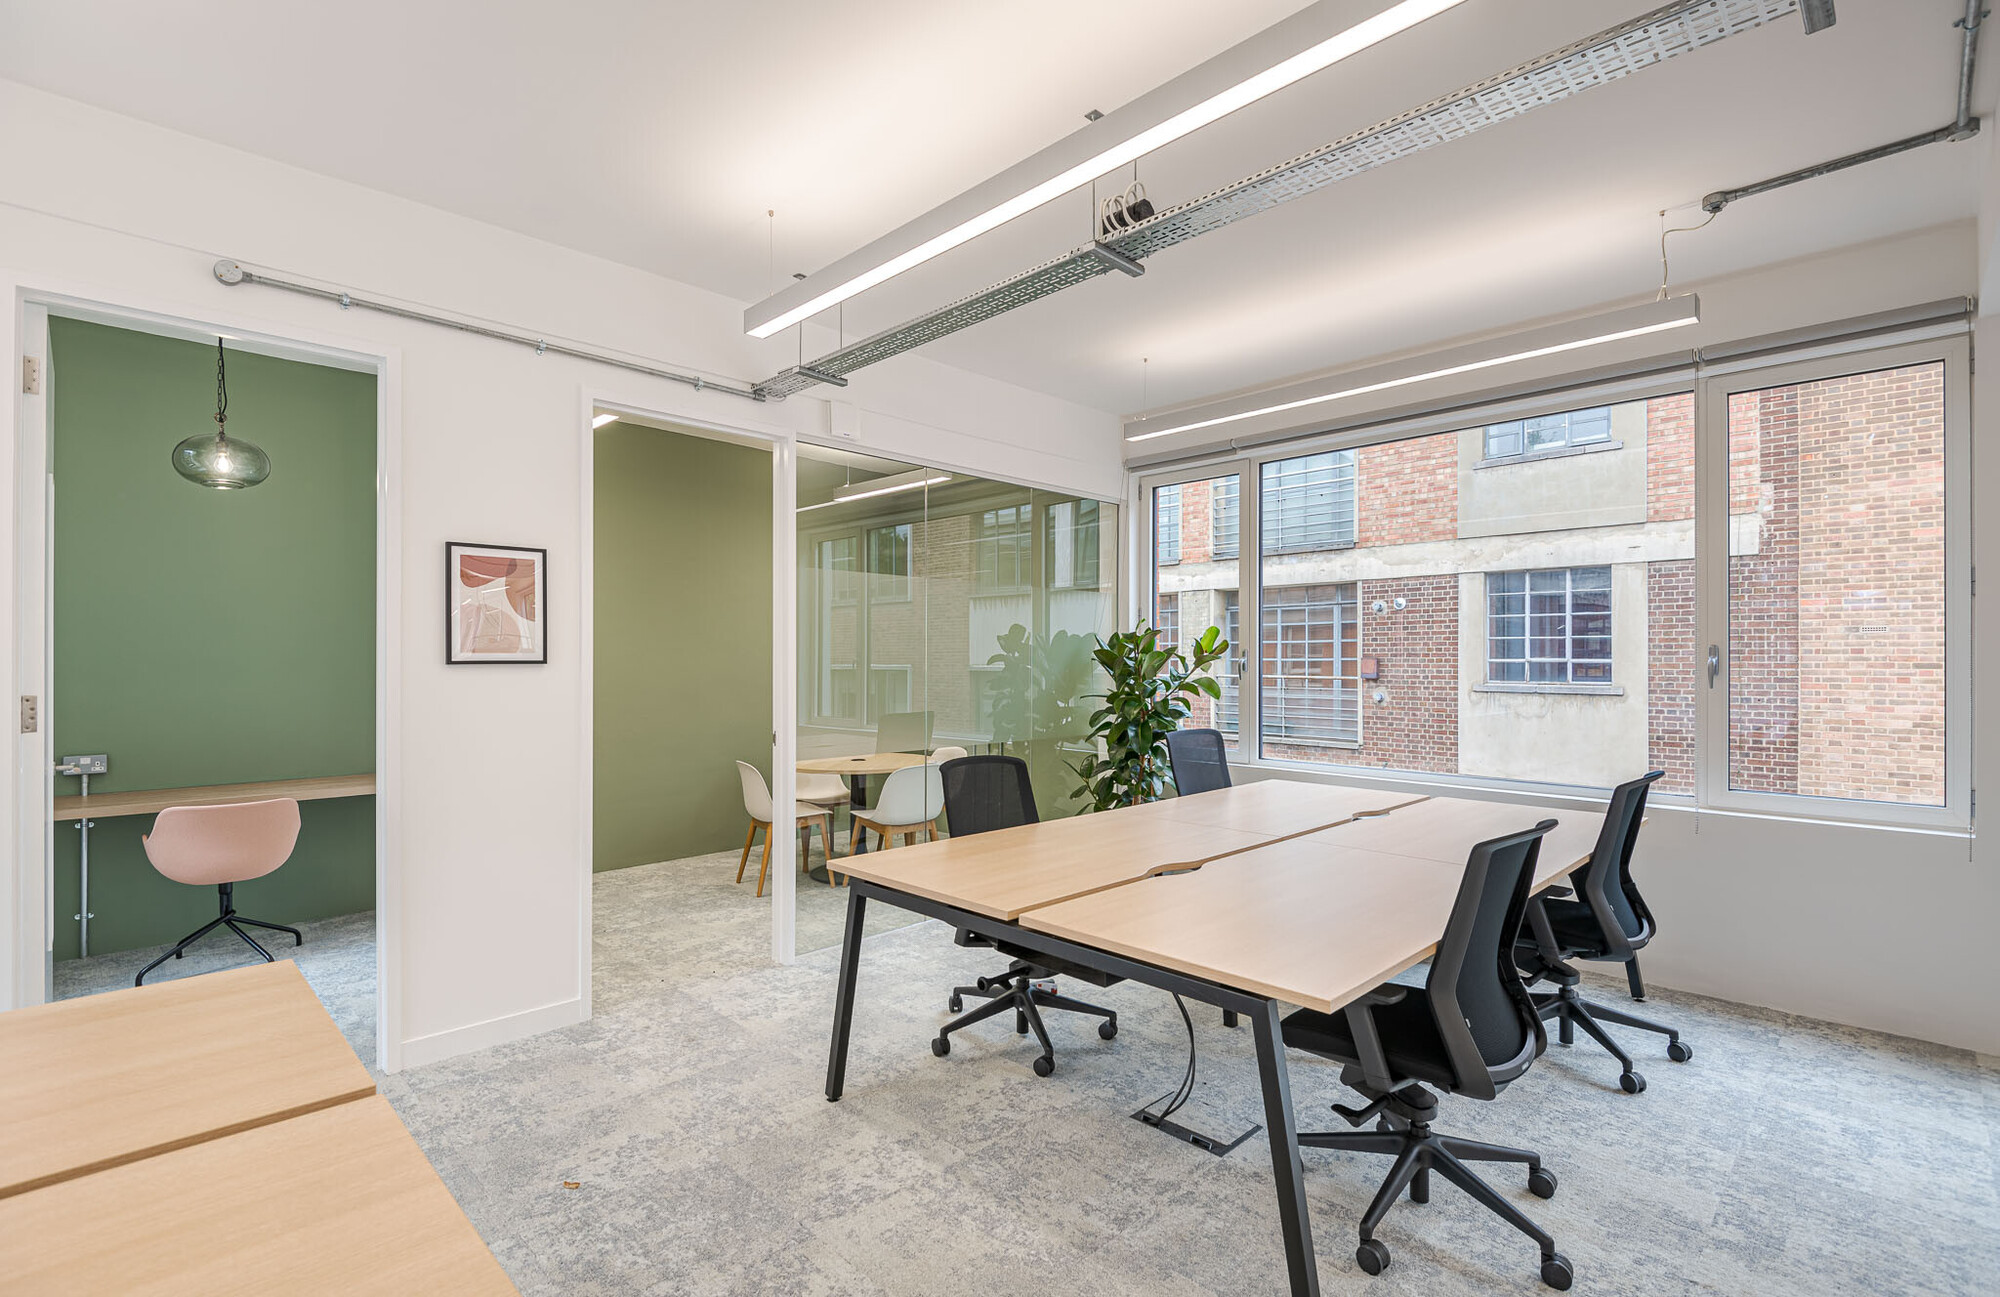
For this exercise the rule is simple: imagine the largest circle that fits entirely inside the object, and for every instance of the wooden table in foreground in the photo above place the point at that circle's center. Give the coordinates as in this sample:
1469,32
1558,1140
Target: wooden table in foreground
150,801
1313,918
109,1079
338,1202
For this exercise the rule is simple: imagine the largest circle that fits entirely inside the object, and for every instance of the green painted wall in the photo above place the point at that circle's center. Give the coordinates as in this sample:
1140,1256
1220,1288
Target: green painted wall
683,634
210,637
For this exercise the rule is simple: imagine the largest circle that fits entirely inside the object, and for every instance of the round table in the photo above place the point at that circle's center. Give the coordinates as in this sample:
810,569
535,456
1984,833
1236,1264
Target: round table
857,769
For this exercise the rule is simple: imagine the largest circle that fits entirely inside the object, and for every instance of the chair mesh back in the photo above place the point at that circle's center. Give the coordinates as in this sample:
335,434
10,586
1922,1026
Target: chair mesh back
986,793
1200,764
1475,958
1611,862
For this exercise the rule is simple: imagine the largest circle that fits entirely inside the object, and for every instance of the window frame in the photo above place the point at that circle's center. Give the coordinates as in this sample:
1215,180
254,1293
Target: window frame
1712,394
1527,637
1158,515
1146,565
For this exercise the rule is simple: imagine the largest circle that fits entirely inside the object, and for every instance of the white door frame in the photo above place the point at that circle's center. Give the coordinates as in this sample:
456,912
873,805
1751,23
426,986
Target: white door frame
783,445
26,928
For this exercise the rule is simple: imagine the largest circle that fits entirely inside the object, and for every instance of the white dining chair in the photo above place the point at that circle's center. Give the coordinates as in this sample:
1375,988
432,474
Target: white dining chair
757,805
911,801
943,755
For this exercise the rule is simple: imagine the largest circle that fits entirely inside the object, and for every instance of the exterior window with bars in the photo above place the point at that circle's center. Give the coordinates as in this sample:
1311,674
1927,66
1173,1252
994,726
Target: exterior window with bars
1232,668
1167,524
1003,551
1222,517
1311,669
1308,502
1167,619
1548,432
1549,627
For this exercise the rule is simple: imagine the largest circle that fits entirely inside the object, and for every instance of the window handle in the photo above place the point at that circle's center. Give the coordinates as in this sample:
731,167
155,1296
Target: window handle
1714,664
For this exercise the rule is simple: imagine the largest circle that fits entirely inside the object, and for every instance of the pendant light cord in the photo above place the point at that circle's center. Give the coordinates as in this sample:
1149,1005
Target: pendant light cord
1678,229
221,391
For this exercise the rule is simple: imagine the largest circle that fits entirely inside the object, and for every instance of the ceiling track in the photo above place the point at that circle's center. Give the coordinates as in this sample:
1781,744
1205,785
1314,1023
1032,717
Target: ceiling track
1617,52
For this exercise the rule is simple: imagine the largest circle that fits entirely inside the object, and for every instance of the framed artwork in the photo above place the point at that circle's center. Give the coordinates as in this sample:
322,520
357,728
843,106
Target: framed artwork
496,603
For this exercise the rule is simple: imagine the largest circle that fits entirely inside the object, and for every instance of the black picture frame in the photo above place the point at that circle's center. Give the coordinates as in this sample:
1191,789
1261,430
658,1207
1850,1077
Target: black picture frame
454,600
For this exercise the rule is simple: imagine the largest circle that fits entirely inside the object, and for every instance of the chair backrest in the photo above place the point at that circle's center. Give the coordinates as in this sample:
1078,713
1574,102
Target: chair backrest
1485,1017
208,845
986,793
945,754
1606,881
756,793
1200,763
903,732
912,795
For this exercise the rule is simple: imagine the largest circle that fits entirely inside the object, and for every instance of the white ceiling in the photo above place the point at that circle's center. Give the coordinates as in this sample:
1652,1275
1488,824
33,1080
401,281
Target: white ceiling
659,134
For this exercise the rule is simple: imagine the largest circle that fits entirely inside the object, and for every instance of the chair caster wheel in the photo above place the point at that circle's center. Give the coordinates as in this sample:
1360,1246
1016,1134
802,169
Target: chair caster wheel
1556,1272
1372,1256
1107,1029
1541,1183
1632,1083
941,1046
1044,1065
1678,1052
955,1004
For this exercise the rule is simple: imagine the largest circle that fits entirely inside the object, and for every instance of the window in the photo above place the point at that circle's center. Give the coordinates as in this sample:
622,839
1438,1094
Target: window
1167,618
1549,627
1308,502
889,562
836,566
1232,672
1311,637
1167,524
1548,432
888,691
1222,519
1072,546
1003,553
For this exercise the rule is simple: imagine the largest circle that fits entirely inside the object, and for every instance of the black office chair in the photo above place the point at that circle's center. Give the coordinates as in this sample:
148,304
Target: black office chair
981,794
1200,763
1603,919
1471,1029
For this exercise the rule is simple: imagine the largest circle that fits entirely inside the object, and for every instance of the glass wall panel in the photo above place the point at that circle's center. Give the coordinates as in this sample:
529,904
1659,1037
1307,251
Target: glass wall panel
1195,579
955,615
1837,583
1513,600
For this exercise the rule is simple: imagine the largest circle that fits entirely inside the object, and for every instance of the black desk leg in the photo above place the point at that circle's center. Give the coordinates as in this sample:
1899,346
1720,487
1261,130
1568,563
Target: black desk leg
843,998
1285,1165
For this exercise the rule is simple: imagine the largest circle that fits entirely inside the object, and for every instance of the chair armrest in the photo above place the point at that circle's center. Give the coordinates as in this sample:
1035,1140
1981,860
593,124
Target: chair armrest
1545,936
1558,891
1368,1042
1387,993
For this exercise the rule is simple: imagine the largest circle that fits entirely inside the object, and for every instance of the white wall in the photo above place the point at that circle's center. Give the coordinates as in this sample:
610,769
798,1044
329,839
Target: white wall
1891,930
111,208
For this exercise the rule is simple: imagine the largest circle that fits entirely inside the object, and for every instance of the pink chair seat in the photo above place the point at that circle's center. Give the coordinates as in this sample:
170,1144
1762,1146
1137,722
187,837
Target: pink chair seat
212,845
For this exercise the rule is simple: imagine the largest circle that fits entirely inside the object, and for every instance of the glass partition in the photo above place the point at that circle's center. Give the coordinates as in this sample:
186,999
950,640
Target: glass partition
938,614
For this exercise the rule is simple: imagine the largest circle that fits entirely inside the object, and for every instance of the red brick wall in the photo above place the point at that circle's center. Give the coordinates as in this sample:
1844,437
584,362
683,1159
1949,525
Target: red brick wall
1672,672
1417,728
1670,458
1407,491
1197,523
1764,599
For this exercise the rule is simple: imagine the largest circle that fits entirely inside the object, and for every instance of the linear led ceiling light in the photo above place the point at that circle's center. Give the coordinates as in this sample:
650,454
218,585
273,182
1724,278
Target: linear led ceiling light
599,420
910,481
1269,61
1631,322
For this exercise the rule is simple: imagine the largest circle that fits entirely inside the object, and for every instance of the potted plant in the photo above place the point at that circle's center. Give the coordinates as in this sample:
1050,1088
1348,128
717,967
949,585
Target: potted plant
1149,693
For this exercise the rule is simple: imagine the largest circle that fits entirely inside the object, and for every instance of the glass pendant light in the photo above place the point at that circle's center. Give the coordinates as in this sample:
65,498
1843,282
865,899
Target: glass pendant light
218,461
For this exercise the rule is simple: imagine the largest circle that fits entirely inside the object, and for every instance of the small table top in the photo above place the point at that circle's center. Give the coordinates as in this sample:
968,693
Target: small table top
339,1201
1319,919
869,763
148,801
109,1079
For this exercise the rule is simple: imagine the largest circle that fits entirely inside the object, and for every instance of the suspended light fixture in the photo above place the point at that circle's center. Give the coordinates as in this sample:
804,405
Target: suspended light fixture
218,461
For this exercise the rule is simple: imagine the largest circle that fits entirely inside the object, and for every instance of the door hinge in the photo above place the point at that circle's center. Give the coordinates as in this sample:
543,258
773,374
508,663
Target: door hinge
30,713
31,376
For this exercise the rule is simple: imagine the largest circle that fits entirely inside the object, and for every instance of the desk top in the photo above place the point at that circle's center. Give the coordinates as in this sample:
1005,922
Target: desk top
339,1201
148,801
1008,872
108,1079
1314,920
868,763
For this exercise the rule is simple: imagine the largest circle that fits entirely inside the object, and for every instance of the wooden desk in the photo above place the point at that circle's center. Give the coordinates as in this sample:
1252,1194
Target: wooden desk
335,1202
151,801
1319,919
109,1079
860,767
1009,872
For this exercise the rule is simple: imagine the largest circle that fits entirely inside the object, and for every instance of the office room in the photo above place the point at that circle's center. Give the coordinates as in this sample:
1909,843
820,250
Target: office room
1279,648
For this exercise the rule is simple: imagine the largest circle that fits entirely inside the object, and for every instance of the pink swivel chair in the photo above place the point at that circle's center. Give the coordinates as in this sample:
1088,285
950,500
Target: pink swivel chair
223,845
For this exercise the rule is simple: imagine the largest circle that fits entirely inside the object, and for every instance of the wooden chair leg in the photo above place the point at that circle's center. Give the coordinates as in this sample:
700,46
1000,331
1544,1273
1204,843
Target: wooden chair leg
748,838
826,842
765,868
